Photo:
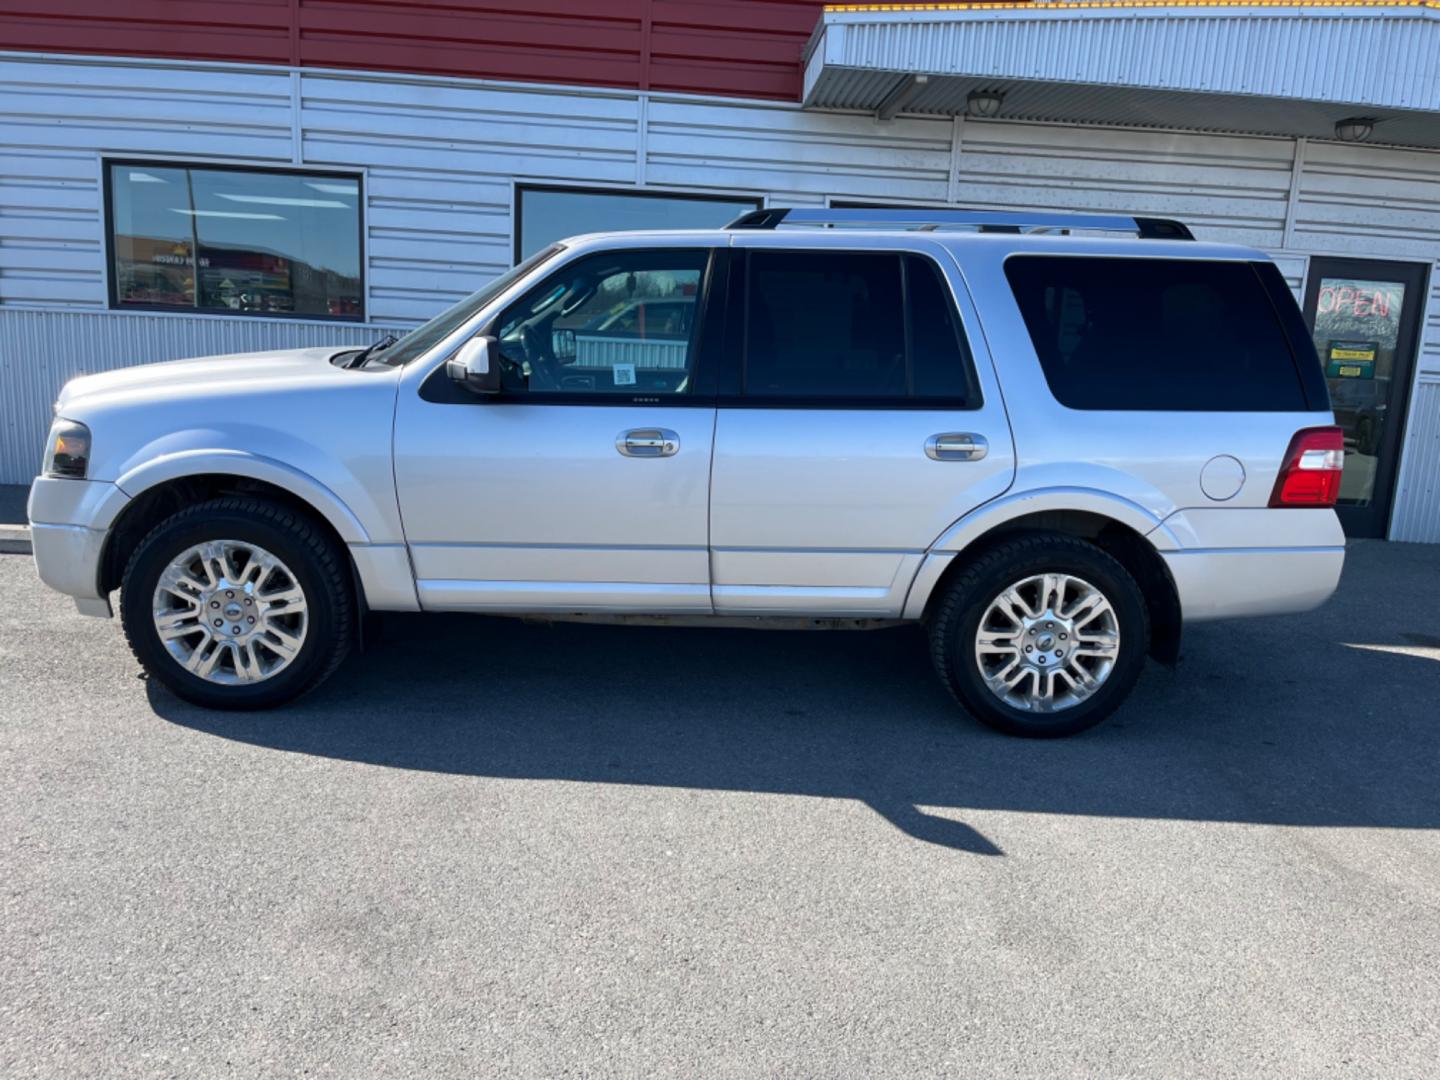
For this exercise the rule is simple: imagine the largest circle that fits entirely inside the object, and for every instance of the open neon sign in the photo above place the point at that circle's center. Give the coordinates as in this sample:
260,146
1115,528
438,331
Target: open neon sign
1357,303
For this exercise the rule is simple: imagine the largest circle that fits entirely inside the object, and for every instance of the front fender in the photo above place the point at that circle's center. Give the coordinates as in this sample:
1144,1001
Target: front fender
252,466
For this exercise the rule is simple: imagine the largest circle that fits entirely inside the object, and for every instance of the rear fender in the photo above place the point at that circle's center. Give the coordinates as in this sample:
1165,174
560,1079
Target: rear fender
984,520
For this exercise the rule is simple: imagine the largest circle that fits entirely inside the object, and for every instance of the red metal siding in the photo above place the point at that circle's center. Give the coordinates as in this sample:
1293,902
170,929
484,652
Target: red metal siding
747,48
545,40
253,31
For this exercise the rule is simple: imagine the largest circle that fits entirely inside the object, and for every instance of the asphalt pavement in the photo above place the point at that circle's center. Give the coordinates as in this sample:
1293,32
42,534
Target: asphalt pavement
490,847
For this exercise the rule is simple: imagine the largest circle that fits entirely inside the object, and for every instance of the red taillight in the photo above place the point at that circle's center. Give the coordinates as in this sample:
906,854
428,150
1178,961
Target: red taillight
1310,473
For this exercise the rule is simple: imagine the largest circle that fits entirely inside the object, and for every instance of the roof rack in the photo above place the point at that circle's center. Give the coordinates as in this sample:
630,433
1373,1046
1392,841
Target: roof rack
1146,228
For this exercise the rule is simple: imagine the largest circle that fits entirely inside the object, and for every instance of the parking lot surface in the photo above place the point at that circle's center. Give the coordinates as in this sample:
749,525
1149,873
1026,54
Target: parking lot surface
490,847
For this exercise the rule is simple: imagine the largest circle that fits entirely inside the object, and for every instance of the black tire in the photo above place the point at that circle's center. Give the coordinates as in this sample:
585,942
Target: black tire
956,617
1365,440
312,557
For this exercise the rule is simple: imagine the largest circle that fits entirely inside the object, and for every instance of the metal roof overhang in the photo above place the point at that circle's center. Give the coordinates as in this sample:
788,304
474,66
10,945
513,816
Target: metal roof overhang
1264,67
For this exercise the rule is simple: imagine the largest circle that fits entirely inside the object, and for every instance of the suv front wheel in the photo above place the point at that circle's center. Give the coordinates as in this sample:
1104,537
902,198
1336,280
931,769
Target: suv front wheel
1043,635
237,603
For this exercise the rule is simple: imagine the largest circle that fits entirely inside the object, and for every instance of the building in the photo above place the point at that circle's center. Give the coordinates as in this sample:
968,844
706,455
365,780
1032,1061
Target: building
186,177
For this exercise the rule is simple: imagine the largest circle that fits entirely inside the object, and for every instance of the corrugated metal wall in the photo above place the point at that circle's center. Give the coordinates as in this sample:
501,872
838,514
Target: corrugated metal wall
1417,488
1417,497
1281,52
441,157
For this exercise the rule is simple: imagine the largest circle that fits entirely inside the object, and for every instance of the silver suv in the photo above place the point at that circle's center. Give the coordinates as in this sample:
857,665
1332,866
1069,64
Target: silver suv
1049,444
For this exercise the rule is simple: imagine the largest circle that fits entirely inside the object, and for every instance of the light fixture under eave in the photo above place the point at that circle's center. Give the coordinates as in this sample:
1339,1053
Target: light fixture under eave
1354,128
984,103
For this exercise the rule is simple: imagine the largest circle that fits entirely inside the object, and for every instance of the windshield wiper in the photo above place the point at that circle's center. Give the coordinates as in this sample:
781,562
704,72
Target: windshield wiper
364,354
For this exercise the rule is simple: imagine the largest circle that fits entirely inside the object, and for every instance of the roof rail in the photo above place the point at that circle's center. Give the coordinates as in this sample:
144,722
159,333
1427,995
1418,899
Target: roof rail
985,220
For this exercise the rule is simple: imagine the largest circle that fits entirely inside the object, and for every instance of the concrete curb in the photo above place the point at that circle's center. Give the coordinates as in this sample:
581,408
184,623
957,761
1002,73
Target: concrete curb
14,539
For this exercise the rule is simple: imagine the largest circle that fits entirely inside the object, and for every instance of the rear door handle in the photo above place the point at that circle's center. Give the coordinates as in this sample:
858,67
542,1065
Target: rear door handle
648,442
956,446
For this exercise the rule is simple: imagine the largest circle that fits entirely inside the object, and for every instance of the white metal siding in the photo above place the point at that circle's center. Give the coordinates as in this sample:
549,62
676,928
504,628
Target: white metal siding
1371,202
760,147
441,159
441,156
1227,188
57,119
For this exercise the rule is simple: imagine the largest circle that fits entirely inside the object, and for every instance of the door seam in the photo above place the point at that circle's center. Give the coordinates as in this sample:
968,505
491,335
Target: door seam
709,508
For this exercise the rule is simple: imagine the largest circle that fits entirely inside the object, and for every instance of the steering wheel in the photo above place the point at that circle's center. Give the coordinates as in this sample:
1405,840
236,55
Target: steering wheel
542,366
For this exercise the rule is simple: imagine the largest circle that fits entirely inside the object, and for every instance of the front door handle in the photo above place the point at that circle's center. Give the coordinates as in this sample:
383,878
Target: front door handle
956,446
648,442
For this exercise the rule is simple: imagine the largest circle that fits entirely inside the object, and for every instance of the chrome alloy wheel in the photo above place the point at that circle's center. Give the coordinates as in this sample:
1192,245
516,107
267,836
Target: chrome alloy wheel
1047,642
230,612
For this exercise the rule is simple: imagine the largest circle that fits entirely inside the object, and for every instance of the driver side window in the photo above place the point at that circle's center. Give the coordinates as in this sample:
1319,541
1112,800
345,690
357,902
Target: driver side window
621,322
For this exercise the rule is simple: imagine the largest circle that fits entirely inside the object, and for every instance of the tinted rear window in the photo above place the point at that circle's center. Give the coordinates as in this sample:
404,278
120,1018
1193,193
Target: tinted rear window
853,327
1166,334
824,324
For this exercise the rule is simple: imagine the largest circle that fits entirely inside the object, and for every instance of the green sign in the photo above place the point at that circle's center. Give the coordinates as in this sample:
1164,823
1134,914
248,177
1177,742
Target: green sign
1351,359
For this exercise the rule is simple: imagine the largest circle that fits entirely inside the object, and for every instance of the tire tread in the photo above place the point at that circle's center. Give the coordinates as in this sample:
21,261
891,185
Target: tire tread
300,528
961,590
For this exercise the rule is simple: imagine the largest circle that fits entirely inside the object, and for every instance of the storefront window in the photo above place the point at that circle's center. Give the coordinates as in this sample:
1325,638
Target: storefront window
235,241
545,215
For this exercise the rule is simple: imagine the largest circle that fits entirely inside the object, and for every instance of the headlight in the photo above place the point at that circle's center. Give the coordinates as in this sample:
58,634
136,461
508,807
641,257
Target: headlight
68,451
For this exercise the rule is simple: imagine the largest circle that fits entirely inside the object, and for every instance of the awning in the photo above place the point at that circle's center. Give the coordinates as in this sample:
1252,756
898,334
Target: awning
1279,68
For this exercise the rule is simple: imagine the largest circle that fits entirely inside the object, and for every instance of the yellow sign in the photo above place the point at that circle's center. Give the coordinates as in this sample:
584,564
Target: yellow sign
1352,354
1351,359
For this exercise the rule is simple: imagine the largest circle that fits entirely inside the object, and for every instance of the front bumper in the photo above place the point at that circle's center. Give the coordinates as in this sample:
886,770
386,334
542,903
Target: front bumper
68,558
69,521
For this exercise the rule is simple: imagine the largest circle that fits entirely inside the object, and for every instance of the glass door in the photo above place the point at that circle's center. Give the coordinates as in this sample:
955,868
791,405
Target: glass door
1365,317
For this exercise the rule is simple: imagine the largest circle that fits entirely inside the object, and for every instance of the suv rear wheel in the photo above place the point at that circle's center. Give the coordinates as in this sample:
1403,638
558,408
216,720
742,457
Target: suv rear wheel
237,603
1043,635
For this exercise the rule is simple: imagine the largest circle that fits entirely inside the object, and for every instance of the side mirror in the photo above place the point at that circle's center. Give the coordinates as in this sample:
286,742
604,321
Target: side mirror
474,366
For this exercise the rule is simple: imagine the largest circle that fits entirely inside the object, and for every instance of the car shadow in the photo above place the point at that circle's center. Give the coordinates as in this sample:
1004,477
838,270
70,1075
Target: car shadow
1319,720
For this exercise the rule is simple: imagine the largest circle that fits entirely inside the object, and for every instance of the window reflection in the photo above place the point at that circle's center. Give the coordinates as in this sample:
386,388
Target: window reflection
1357,330
548,214
232,240
153,247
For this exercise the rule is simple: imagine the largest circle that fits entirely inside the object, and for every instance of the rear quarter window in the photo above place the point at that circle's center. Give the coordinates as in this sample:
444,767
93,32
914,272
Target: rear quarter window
1156,334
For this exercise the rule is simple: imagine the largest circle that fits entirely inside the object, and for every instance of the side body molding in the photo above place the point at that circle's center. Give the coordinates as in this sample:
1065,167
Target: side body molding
984,519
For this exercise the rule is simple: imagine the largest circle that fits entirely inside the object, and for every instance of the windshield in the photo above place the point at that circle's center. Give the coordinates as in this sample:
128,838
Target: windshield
427,335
